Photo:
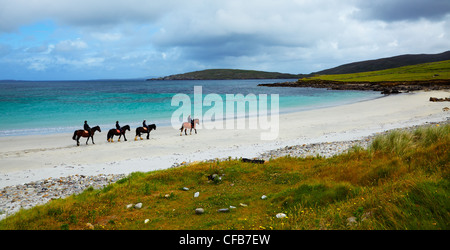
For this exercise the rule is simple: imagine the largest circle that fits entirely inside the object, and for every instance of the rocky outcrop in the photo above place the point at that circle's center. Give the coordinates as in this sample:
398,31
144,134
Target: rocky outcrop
435,99
386,87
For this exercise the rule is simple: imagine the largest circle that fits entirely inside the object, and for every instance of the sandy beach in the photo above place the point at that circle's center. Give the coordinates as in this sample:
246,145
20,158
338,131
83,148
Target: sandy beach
25,159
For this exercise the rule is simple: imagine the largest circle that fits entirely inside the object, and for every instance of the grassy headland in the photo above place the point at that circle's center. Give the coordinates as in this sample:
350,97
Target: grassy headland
431,76
400,182
420,72
229,74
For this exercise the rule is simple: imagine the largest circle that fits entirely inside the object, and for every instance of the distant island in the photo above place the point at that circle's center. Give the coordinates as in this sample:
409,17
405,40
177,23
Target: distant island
229,74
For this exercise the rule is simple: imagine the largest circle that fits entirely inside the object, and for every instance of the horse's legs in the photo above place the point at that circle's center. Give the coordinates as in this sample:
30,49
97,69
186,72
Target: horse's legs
124,137
195,130
148,135
185,131
92,139
87,140
78,140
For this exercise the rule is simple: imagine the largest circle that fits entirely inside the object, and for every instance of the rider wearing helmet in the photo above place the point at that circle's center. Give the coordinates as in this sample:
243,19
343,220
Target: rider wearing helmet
87,128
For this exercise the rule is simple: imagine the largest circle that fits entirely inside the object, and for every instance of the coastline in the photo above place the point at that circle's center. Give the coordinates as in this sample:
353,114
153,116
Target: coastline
385,87
27,159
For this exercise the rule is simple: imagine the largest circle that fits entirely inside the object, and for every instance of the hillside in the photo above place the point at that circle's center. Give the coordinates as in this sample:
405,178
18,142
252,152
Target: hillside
431,76
228,74
386,63
424,71
355,67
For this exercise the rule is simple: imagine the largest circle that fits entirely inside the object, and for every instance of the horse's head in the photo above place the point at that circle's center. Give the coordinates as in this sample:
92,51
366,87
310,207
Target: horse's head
126,127
97,128
197,121
153,126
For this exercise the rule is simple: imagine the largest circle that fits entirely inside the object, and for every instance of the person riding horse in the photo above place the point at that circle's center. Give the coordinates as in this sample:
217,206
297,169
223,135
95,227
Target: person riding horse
191,121
87,128
118,127
144,124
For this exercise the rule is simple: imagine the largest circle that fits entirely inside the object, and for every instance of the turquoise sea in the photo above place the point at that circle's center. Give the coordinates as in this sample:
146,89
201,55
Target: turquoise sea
46,107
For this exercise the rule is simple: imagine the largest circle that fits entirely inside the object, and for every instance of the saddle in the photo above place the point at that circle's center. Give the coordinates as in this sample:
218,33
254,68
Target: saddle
118,131
145,128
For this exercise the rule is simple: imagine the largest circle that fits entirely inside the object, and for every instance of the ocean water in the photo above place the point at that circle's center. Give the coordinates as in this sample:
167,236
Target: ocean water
62,106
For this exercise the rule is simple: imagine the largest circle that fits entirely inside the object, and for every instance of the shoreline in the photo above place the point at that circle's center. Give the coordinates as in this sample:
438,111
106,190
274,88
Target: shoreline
385,87
29,159
65,131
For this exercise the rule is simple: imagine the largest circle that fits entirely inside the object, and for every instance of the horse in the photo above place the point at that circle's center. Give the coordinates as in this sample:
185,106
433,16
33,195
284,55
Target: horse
84,133
187,125
144,130
113,132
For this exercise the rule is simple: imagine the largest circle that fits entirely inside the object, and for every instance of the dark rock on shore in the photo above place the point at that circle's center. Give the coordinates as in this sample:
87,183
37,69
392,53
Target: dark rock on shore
435,99
386,87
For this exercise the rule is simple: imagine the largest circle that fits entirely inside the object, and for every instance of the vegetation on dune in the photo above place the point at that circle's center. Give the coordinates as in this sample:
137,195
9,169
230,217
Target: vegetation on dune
400,182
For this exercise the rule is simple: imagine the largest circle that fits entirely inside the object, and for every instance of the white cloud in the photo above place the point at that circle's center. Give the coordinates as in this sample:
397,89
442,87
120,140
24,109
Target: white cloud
14,14
70,45
107,37
174,36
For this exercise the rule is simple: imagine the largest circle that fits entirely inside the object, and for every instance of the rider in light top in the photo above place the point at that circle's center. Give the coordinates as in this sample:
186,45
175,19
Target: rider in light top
191,121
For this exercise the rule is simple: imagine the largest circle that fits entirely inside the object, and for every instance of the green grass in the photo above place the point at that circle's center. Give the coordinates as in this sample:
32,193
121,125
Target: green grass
426,71
400,182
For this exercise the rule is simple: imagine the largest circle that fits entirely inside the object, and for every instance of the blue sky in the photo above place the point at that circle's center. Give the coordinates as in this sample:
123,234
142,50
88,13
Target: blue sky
100,39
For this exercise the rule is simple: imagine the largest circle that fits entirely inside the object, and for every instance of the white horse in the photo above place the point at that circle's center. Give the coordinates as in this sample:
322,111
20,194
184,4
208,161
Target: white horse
187,125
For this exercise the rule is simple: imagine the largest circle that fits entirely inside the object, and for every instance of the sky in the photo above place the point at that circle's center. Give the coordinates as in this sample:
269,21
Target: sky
112,39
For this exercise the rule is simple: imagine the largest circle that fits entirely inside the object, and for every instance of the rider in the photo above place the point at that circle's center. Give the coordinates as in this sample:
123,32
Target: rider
191,121
118,126
87,128
144,124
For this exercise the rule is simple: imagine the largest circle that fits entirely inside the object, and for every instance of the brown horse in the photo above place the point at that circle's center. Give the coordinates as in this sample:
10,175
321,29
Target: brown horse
83,133
187,125
113,132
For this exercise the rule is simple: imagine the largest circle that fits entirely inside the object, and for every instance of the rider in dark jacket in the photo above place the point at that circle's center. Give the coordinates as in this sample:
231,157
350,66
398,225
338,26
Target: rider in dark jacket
118,126
144,124
87,128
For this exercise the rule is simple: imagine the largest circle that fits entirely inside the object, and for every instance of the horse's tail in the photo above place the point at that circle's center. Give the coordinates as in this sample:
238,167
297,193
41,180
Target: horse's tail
74,135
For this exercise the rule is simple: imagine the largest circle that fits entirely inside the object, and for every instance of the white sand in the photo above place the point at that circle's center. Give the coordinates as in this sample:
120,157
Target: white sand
29,158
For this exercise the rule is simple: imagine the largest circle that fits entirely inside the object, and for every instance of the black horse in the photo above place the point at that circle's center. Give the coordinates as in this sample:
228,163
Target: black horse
113,132
84,133
144,130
